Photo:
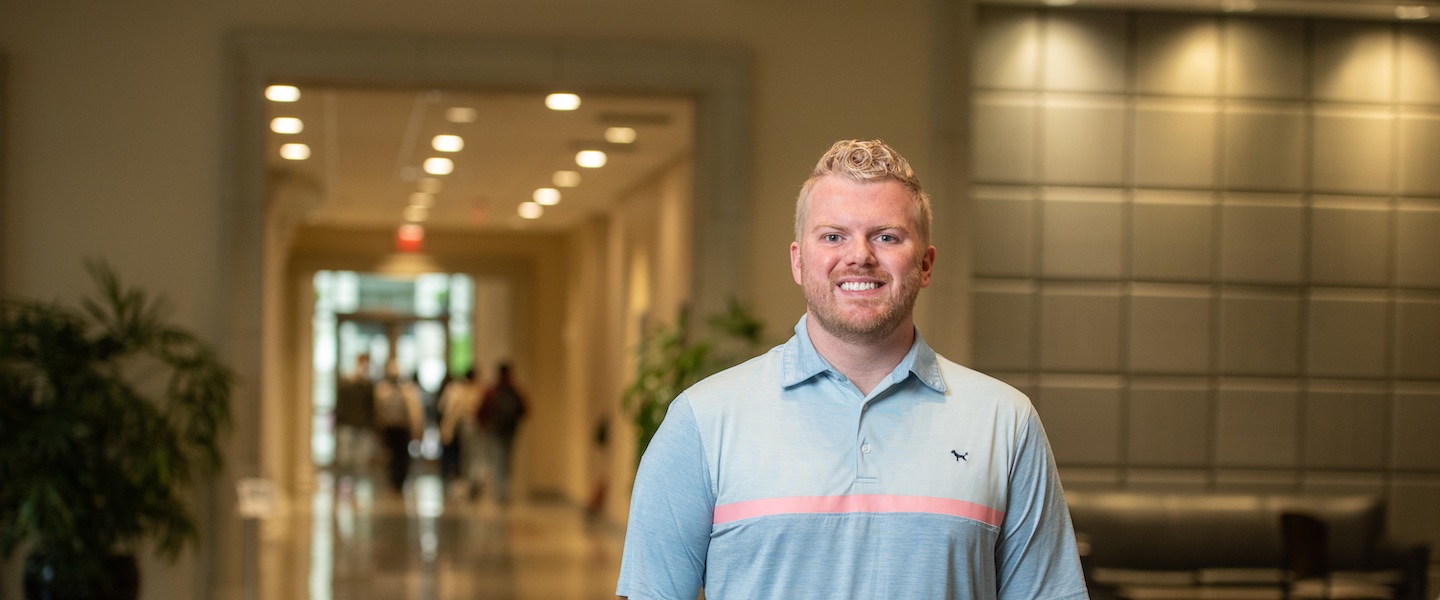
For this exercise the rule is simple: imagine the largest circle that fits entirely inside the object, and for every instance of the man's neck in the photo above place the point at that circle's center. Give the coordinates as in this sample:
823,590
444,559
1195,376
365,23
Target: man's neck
867,363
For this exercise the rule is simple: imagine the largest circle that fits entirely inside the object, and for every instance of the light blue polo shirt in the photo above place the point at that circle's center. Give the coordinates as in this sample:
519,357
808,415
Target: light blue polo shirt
778,479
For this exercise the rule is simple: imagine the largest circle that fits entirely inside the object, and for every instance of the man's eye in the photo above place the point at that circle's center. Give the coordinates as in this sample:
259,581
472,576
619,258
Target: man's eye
887,238
831,237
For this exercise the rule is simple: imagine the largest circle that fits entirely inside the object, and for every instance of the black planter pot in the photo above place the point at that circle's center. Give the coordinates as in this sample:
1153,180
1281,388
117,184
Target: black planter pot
46,579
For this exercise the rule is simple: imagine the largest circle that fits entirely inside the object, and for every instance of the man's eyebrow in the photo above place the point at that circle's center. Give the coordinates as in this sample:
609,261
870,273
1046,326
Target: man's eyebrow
828,225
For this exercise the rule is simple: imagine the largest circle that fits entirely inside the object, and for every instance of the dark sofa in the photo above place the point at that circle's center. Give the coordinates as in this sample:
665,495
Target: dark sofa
1171,546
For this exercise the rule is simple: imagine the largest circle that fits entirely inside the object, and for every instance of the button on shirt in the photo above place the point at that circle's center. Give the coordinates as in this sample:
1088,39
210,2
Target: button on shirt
779,479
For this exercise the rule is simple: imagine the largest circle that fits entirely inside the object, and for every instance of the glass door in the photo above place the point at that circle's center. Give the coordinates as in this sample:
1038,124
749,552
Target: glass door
421,322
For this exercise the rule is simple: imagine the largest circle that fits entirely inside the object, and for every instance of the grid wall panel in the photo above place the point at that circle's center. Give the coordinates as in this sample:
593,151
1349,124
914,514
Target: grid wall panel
1214,247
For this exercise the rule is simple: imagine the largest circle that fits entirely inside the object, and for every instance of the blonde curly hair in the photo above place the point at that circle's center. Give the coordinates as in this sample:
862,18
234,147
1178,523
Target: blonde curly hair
867,161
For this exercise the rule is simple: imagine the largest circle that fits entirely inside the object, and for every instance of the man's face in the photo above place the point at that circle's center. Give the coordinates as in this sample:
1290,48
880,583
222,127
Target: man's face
859,258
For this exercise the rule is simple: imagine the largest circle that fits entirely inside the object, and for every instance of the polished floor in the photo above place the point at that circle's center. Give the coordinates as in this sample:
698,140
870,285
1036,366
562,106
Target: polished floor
364,541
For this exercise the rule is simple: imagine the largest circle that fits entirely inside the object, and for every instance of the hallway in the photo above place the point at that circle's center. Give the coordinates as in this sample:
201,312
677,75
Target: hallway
370,543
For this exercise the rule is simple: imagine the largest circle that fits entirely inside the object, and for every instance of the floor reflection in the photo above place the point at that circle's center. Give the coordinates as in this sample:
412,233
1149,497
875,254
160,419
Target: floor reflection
367,542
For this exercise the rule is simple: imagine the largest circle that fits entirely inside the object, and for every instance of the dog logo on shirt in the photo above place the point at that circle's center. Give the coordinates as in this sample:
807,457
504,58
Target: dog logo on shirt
959,457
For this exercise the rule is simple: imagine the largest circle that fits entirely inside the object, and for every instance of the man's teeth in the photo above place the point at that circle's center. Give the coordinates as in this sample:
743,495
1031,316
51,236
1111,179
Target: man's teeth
856,286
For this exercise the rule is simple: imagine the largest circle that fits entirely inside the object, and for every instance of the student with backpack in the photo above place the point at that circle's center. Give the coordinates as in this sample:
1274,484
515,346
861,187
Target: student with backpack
400,417
501,411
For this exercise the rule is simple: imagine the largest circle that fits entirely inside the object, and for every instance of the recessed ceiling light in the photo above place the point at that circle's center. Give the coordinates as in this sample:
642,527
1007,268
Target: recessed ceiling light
1060,2
282,93
546,196
620,135
447,143
294,151
1237,5
415,213
562,101
590,159
461,114
566,179
530,210
422,199
439,166
429,185
286,125
1411,12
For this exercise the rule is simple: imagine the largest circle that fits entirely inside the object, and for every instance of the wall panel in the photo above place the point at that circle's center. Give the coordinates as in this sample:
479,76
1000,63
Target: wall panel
1226,254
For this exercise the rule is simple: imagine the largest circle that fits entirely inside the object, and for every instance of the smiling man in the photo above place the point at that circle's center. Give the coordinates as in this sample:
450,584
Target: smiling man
852,461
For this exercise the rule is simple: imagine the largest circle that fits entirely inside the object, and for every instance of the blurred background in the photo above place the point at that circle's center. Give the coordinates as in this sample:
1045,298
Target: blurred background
1203,236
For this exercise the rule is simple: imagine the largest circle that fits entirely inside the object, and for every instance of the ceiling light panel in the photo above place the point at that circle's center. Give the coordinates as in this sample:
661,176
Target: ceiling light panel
530,210
422,199
287,125
566,179
546,196
416,214
439,166
1411,12
429,185
562,101
294,151
620,135
461,114
447,143
282,93
591,159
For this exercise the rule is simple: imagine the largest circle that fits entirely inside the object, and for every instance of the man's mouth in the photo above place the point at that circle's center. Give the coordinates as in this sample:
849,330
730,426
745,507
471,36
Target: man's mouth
859,286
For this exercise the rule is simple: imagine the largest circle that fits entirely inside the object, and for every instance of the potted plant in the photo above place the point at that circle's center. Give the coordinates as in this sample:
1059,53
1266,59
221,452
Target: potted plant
107,415
669,362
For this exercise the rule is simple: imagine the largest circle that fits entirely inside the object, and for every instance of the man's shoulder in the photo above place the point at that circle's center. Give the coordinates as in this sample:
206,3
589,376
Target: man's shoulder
751,376
962,381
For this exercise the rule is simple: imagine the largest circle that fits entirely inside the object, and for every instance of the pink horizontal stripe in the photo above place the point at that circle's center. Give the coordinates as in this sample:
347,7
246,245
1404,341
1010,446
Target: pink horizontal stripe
859,503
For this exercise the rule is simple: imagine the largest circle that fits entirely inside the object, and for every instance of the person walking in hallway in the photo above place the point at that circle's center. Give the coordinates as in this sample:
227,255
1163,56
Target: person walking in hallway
459,399
354,425
852,461
401,418
501,411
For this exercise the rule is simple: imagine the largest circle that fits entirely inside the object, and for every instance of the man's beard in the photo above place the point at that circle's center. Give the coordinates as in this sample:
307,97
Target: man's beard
870,327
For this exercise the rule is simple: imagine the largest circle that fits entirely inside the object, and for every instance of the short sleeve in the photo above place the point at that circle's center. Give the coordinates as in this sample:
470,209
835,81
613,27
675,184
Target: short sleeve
671,511
1036,557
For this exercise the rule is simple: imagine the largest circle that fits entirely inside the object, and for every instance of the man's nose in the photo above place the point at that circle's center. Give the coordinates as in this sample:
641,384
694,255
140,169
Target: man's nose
860,252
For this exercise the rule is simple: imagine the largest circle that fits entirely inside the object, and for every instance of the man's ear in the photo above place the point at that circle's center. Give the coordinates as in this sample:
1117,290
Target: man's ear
795,262
927,266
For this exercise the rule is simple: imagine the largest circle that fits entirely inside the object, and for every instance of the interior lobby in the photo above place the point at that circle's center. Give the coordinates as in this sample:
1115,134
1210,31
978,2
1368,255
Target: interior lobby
1203,236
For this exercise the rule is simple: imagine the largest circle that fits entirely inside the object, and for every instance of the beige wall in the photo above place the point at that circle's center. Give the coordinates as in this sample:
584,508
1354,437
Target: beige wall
119,125
1206,246
628,265
120,142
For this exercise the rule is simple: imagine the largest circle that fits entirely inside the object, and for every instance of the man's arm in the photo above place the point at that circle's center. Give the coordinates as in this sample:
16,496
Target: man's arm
671,511
1036,557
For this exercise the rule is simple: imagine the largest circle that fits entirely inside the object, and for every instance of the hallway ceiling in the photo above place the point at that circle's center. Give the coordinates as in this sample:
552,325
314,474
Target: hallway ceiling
1333,9
368,145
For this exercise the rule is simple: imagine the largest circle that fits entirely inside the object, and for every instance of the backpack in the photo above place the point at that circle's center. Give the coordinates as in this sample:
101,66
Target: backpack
502,410
393,410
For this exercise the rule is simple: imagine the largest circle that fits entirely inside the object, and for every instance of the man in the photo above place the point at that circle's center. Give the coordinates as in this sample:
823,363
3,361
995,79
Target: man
401,419
501,411
459,400
354,424
852,461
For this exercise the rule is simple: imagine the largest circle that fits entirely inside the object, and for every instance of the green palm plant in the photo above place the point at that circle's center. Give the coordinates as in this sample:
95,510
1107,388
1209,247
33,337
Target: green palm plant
670,361
107,415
